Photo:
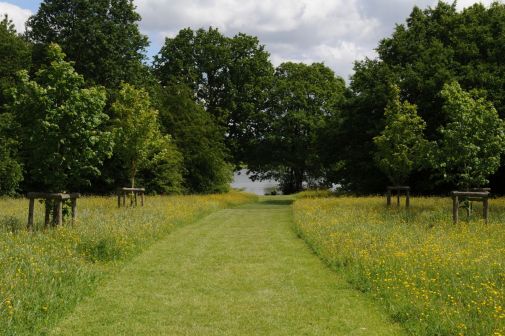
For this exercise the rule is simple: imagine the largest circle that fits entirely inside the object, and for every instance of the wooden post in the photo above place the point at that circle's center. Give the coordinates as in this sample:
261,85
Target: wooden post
124,199
31,207
58,216
485,208
135,196
119,199
455,209
388,196
74,209
398,197
142,198
407,200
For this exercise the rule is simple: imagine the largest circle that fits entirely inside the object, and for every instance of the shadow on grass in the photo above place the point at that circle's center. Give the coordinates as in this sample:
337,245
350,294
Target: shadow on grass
277,202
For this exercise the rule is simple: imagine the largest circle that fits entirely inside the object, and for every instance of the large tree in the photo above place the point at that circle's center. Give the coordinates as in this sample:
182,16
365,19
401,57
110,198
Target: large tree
434,46
140,146
230,77
198,138
62,144
471,143
15,55
102,37
302,100
401,146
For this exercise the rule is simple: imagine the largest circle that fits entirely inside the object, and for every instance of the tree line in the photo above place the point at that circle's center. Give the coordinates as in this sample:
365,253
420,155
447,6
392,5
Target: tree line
81,108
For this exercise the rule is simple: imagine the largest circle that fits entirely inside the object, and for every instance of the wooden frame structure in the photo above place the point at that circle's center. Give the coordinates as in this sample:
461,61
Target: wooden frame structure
122,192
57,200
479,195
398,190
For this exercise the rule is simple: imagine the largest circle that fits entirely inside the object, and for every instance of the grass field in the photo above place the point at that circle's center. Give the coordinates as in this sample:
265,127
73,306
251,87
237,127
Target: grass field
434,277
44,274
240,271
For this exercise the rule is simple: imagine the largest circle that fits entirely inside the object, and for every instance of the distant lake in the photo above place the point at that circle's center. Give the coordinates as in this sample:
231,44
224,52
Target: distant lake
242,181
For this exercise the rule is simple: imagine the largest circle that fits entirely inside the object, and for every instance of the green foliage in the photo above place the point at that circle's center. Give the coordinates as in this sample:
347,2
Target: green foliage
62,143
101,37
230,77
139,144
434,46
15,55
11,173
199,140
302,100
471,142
401,145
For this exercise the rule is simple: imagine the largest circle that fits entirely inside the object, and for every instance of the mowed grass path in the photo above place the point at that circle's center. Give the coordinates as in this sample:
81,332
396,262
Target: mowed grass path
240,271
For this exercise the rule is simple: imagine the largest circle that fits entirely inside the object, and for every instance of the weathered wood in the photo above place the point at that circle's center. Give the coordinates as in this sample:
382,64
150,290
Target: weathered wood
475,195
134,192
54,203
471,193
455,209
31,208
398,190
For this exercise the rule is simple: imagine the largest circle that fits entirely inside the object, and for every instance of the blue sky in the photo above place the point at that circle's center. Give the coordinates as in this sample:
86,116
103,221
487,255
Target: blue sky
336,32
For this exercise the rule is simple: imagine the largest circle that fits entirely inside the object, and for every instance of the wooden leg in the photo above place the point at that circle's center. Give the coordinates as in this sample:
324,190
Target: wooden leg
407,200
119,200
388,198
74,209
124,199
135,196
485,209
131,199
455,208
59,212
398,197
31,207
142,198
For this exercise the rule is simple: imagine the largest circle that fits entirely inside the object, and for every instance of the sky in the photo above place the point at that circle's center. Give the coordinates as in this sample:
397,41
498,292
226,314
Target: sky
335,32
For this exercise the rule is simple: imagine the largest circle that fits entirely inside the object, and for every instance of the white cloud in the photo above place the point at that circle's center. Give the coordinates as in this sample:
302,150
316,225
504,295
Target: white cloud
17,14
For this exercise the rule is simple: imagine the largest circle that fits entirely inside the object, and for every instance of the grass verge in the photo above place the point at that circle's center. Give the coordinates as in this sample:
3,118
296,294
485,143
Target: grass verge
44,274
434,277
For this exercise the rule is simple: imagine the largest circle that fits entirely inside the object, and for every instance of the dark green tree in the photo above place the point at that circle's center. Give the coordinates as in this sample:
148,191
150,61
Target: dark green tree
302,100
199,139
62,145
434,46
102,37
229,77
11,173
15,55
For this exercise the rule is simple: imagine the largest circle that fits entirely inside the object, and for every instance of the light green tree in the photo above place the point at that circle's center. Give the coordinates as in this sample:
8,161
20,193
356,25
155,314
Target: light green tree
401,145
139,143
62,144
471,142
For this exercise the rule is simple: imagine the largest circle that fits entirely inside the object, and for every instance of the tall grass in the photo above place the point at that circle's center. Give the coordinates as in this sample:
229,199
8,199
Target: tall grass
434,277
45,273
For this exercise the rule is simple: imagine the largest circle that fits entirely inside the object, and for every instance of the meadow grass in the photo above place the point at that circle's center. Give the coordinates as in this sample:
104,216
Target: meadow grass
434,277
45,273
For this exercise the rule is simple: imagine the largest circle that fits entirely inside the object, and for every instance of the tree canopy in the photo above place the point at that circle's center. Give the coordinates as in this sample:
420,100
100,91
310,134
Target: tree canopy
62,145
101,37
